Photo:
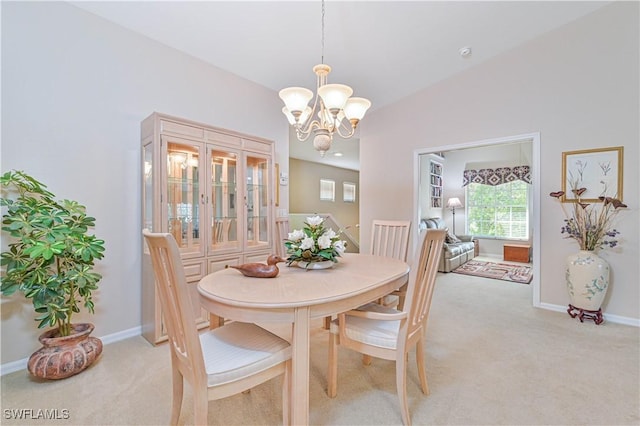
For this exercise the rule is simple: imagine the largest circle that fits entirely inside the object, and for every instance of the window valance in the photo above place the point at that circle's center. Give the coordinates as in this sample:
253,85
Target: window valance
497,176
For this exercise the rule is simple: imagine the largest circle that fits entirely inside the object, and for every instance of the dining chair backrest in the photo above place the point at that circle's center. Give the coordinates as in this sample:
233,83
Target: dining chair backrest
390,238
178,315
422,280
282,233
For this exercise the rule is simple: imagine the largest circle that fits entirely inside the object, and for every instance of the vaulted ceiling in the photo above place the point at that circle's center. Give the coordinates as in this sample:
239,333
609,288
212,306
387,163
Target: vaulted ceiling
384,50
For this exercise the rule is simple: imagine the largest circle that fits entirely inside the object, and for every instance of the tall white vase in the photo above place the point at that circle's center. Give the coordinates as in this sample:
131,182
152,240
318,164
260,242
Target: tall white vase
587,277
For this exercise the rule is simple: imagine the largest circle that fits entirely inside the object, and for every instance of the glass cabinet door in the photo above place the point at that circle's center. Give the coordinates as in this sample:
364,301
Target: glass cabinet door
225,207
184,196
148,189
257,201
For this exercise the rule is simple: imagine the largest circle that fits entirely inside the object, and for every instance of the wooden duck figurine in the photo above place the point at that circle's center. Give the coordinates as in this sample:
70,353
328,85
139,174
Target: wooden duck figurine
260,270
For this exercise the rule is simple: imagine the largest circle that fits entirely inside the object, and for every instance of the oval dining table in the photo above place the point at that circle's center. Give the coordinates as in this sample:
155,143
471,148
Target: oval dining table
298,296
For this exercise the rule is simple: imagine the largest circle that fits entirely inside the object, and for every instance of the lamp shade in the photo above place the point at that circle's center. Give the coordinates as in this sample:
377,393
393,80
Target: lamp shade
355,108
296,98
302,119
335,96
454,202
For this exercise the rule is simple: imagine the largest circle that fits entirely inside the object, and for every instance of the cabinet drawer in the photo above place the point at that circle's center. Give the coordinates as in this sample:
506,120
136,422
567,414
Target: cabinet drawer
220,264
256,257
194,271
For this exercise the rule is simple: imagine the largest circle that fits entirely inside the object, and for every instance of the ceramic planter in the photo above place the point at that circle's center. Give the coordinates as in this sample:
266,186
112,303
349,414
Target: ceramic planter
587,277
62,357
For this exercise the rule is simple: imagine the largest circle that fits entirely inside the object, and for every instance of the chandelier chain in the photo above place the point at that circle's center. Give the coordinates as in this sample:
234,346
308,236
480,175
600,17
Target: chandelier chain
322,51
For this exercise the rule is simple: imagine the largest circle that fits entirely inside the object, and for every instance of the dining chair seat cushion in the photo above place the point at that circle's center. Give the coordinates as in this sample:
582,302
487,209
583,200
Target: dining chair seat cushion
379,333
240,349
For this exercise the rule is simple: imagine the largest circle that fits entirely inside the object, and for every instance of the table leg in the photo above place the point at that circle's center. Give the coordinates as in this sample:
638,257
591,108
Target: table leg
299,397
215,321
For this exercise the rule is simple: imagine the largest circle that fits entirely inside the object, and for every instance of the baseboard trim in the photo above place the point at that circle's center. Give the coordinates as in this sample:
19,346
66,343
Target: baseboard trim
21,364
635,322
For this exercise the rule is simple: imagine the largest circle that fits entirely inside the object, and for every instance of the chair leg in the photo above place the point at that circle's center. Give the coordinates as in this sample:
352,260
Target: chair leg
422,372
286,394
402,294
401,384
200,406
332,374
327,322
178,388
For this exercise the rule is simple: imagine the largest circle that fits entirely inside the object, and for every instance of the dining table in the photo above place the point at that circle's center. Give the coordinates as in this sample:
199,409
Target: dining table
298,296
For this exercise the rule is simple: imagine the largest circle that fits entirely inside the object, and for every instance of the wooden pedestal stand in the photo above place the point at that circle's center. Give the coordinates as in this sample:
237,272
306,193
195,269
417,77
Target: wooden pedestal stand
596,316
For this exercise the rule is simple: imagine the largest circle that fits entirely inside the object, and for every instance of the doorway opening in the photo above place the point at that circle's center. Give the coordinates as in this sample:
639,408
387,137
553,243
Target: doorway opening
432,193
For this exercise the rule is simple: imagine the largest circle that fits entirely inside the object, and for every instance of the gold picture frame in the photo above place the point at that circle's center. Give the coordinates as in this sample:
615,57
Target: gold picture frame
598,170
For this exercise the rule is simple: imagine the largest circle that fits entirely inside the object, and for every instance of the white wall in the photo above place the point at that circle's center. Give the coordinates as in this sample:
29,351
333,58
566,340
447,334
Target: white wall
577,86
74,91
304,190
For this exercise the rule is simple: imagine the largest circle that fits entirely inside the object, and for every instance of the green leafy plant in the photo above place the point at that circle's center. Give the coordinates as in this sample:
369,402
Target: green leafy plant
51,255
314,243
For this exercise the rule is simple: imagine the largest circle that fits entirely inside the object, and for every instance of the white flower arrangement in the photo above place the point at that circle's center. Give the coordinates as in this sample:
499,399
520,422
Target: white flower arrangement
314,243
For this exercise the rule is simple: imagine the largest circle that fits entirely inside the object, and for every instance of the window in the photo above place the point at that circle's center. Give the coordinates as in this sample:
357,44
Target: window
348,192
327,190
498,211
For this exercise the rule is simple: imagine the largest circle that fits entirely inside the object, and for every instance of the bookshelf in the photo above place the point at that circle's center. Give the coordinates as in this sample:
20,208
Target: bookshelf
435,187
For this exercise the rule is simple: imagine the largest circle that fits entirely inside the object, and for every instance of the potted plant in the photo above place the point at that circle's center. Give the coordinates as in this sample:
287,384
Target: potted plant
50,260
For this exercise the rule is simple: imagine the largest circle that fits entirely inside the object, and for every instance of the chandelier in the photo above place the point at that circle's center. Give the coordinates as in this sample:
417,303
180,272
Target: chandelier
333,111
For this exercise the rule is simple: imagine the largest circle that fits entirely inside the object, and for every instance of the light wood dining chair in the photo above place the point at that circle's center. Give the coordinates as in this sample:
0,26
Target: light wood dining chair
391,238
220,362
388,238
387,333
282,233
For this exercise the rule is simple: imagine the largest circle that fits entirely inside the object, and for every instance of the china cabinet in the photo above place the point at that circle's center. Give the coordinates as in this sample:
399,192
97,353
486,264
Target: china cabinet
212,189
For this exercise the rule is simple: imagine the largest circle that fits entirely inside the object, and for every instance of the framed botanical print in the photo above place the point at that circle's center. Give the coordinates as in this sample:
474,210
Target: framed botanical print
598,171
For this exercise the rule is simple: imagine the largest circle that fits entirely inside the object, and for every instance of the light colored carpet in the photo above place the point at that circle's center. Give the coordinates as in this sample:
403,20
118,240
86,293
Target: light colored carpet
492,359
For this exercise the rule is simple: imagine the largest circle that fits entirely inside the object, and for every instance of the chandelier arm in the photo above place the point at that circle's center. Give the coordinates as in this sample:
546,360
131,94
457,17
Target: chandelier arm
343,128
302,136
303,133
307,126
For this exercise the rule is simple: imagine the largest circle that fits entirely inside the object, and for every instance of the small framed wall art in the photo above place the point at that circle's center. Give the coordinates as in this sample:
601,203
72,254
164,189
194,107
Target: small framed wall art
599,171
